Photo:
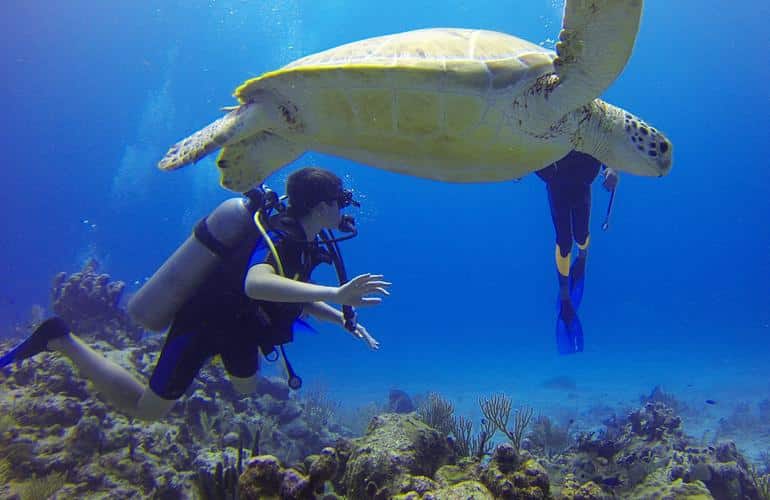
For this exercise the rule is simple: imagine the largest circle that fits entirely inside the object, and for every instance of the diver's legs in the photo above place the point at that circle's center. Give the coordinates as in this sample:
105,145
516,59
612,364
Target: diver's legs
111,380
559,200
151,406
581,216
562,272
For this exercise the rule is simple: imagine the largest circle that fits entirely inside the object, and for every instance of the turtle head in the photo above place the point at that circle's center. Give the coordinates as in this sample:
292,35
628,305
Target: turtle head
646,150
623,141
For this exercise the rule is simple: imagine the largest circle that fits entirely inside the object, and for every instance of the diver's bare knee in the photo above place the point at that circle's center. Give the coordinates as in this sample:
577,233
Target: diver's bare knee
151,406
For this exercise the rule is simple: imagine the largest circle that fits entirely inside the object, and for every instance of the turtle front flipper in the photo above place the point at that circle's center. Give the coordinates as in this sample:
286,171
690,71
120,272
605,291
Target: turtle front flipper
596,40
246,163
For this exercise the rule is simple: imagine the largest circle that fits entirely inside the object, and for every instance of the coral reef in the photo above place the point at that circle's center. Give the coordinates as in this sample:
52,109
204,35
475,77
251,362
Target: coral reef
658,395
400,402
54,430
437,413
265,477
58,440
401,458
90,303
648,456
548,438
497,409
395,446
53,427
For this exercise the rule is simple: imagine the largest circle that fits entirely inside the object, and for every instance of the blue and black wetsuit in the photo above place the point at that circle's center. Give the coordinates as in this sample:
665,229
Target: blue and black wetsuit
569,194
221,319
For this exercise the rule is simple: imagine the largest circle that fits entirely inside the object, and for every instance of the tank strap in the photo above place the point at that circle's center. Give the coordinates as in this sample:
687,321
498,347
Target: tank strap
208,240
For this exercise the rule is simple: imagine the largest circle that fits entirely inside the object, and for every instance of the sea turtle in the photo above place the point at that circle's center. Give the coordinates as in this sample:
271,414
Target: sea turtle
454,105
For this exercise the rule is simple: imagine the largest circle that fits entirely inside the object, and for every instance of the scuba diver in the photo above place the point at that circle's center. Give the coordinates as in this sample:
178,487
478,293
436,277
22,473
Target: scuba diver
569,194
237,286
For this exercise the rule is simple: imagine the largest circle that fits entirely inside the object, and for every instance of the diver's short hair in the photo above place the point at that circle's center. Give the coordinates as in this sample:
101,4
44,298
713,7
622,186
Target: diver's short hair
309,186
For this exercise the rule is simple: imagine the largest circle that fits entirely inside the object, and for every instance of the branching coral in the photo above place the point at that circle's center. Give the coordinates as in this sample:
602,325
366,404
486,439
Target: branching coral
468,445
497,410
438,413
41,488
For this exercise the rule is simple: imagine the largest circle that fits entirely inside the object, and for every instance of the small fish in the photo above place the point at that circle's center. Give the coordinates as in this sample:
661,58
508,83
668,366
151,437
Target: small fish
710,402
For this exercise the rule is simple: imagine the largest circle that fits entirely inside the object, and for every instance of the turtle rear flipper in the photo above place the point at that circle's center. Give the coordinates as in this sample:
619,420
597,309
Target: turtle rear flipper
198,145
246,163
243,121
596,40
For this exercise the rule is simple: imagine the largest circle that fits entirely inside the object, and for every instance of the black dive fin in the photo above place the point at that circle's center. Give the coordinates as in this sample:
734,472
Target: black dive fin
37,342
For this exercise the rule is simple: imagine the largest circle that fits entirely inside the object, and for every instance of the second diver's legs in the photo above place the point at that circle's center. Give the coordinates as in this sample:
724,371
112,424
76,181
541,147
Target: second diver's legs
558,198
581,215
569,332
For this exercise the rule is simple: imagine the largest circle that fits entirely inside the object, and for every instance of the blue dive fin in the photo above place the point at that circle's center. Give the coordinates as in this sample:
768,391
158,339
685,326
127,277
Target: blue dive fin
569,337
37,342
577,281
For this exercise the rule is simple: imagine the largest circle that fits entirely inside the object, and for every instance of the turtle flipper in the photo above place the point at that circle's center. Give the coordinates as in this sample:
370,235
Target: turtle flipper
246,120
198,145
596,40
244,164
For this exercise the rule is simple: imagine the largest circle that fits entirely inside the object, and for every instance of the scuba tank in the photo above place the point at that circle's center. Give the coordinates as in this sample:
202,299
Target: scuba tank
156,303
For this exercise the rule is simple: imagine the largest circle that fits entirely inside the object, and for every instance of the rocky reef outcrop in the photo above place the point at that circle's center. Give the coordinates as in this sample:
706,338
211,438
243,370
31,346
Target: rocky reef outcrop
55,431
399,457
89,301
647,455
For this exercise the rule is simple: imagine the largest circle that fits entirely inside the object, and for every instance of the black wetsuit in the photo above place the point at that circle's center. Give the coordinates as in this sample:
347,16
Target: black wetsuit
221,319
569,194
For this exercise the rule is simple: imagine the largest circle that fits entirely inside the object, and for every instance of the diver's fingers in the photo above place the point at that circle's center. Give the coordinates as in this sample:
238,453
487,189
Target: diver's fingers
358,281
369,301
362,278
368,278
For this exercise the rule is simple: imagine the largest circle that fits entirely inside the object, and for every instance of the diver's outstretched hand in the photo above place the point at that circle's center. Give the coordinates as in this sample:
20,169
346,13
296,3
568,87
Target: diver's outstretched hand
357,292
363,334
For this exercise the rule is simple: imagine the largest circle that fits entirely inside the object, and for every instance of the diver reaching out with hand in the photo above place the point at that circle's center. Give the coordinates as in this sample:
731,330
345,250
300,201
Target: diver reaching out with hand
237,287
356,292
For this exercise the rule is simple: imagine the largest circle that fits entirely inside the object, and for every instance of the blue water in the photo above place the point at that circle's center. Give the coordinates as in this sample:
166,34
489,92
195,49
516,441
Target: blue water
94,92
